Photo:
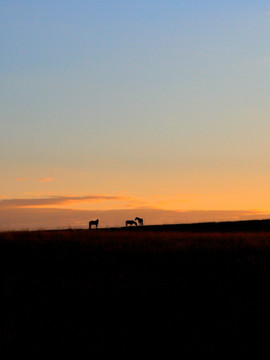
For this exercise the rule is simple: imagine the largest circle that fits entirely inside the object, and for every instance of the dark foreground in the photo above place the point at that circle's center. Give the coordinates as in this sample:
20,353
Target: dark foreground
71,292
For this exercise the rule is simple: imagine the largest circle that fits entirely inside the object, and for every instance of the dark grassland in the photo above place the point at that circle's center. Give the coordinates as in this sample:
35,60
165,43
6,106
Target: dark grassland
73,291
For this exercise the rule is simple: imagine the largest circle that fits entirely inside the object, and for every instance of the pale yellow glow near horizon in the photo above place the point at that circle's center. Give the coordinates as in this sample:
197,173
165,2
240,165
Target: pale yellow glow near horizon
178,190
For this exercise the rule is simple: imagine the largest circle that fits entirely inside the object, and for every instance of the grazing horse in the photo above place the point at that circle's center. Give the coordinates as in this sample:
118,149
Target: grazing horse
131,222
93,222
140,221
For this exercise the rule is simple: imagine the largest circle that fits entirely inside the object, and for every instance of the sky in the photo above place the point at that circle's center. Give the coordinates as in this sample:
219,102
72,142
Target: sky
123,108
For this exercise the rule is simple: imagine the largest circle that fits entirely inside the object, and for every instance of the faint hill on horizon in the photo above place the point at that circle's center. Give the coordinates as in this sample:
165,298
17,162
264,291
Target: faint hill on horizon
42,218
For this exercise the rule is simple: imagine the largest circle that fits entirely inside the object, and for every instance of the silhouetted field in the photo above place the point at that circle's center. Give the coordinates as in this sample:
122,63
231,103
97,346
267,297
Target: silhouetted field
73,291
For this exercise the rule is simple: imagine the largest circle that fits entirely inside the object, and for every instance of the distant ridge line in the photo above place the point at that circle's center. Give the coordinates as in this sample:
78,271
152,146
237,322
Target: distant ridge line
222,226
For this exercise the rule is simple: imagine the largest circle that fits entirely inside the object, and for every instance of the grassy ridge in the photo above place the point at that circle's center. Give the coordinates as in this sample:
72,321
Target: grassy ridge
122,291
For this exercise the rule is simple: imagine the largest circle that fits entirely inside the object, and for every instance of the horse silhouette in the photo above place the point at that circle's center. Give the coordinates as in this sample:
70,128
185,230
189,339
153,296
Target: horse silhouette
131,222
93,222
140,221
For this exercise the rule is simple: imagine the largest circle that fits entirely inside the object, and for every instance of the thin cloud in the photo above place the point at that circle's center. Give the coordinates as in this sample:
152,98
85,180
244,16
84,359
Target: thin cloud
134,203
56,200
21,179
45,179
128,202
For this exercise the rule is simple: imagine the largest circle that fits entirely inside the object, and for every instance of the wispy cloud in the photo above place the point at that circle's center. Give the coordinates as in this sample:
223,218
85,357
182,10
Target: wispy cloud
45,179
21,179
74,201
56,200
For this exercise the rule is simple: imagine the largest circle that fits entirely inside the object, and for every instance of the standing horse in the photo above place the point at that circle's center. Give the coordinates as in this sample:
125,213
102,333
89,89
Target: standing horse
140,221
93,222
131,222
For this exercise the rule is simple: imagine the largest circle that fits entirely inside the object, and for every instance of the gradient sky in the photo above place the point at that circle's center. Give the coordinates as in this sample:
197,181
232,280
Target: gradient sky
135,104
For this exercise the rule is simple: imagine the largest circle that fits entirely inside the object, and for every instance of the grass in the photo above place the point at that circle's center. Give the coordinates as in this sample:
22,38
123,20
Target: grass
129,291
